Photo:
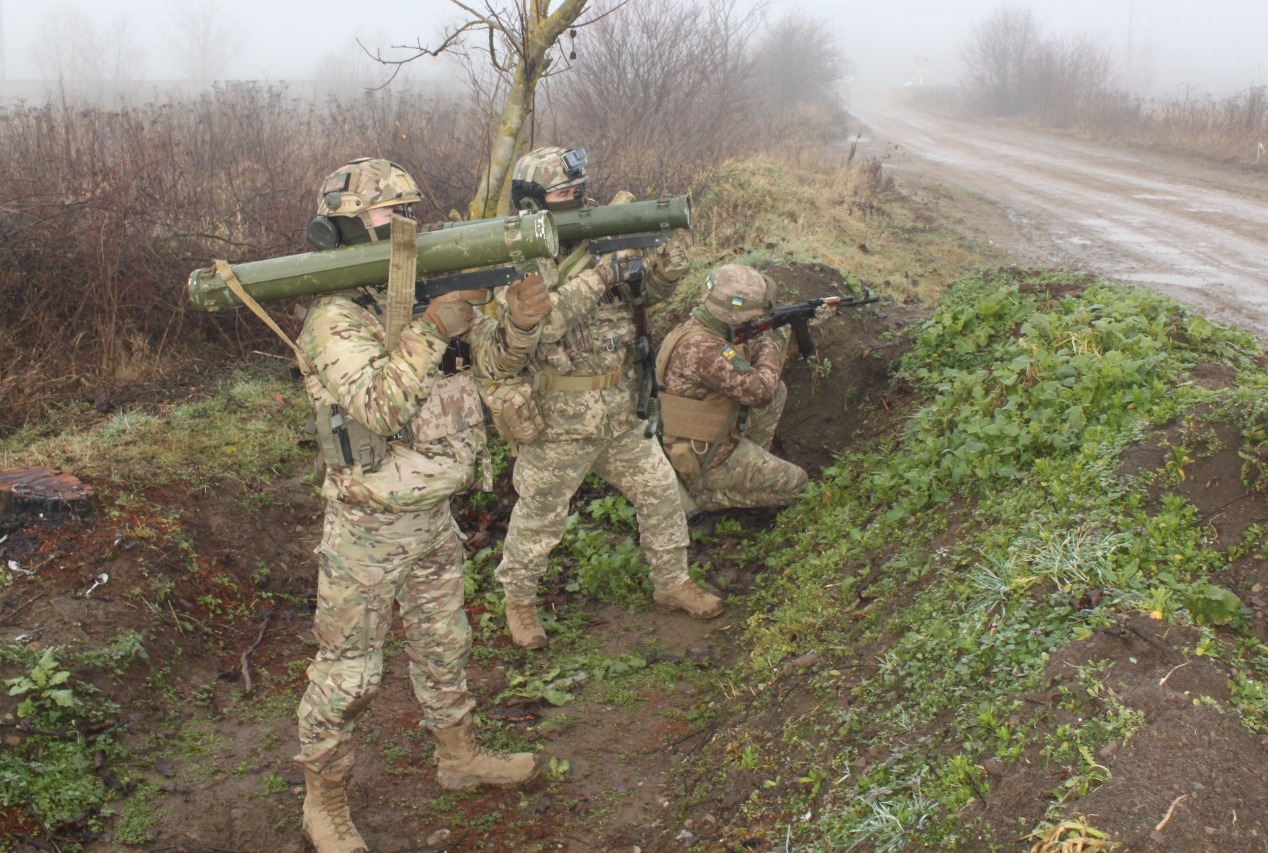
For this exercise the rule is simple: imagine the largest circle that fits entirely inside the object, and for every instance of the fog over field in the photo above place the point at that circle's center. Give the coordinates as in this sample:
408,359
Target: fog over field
1159,45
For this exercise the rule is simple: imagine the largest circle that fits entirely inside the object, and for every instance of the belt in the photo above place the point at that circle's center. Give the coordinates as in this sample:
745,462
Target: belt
548,380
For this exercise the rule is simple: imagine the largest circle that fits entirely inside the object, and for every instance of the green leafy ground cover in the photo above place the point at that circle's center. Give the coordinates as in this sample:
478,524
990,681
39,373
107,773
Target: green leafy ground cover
934,575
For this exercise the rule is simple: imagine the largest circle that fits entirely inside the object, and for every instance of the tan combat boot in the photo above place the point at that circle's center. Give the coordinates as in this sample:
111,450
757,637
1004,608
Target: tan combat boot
526,630
327,823
462,764
688,597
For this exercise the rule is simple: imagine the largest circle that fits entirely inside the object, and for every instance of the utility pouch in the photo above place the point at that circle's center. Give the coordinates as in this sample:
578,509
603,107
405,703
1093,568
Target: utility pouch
343,442
516,415
684,460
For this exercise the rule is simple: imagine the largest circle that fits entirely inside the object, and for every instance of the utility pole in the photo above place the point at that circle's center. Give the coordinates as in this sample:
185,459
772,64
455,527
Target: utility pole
1130,76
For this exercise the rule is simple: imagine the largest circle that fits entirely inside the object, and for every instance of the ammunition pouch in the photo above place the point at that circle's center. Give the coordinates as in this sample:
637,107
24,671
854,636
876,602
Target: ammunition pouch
694,431
453,406
343,442
516,415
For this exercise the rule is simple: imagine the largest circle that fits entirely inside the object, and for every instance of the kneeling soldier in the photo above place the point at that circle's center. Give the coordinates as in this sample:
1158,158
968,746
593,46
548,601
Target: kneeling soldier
722,401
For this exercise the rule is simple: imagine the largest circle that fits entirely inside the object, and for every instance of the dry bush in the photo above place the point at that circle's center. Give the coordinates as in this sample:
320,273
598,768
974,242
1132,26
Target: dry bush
108,211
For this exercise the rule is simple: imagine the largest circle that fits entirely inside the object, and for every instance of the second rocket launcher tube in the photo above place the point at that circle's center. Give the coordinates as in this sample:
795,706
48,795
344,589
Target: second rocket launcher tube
610,220
635,217
512,239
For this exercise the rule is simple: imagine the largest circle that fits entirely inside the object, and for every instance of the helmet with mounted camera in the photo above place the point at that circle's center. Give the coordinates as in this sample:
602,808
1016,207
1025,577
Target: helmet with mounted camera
349,194
547,170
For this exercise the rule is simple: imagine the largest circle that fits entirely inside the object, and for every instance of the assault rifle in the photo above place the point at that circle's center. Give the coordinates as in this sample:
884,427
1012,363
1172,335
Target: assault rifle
798,315
647,400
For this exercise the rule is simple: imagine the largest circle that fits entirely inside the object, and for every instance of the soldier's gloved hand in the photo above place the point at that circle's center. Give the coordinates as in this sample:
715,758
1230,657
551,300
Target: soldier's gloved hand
618,267
528,301
669,262
822,313
451,313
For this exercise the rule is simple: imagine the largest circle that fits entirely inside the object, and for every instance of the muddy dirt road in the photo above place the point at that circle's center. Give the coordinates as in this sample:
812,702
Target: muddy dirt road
1193,230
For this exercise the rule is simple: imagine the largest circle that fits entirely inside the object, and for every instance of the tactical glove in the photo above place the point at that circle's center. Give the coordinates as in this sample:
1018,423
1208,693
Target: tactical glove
618,267
451,313
669,262
528,301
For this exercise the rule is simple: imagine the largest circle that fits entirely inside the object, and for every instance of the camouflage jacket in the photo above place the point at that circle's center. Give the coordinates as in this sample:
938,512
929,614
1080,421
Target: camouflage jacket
704,363
405,390
590,332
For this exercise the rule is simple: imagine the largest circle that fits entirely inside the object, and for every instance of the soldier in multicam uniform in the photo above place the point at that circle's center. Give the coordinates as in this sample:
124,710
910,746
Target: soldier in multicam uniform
721,402
582,383
402,431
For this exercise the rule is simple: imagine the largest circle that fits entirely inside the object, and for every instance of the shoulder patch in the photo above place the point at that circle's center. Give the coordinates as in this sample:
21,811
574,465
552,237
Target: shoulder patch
739,362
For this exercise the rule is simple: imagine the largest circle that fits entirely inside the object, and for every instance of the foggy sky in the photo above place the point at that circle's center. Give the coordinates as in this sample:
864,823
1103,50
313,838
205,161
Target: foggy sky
1215,45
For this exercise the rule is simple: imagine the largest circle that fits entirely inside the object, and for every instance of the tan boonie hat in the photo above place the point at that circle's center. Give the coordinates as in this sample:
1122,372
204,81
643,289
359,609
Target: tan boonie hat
735,294
364,184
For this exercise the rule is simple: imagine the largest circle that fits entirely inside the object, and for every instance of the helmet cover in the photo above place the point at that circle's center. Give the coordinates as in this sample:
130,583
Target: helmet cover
735,294
364,184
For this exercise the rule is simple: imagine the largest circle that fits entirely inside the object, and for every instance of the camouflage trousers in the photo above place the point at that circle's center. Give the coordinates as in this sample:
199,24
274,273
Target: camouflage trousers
750,475
547,474
369,560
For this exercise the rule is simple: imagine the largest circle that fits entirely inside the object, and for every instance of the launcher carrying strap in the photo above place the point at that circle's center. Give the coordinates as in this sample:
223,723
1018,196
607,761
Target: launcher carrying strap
227,274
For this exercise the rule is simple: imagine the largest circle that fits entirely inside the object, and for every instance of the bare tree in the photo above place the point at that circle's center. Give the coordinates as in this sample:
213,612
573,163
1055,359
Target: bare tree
120,55
518,39
798,61
1064,78
204,40
996,56
65,46
71,48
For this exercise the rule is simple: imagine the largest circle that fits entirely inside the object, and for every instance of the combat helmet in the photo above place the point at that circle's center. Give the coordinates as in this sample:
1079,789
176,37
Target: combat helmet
735,294
545,170
349,194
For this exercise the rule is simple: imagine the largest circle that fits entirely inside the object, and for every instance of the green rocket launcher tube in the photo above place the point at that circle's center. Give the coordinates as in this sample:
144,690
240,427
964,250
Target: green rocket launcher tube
485,243
609,220
635,217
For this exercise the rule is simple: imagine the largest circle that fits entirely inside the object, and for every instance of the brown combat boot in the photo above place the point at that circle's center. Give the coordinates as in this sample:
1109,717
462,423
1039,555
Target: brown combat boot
690,598
327,823
462,764
526,630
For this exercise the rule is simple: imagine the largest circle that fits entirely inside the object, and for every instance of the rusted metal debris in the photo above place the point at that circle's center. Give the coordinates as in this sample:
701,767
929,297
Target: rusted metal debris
45,493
